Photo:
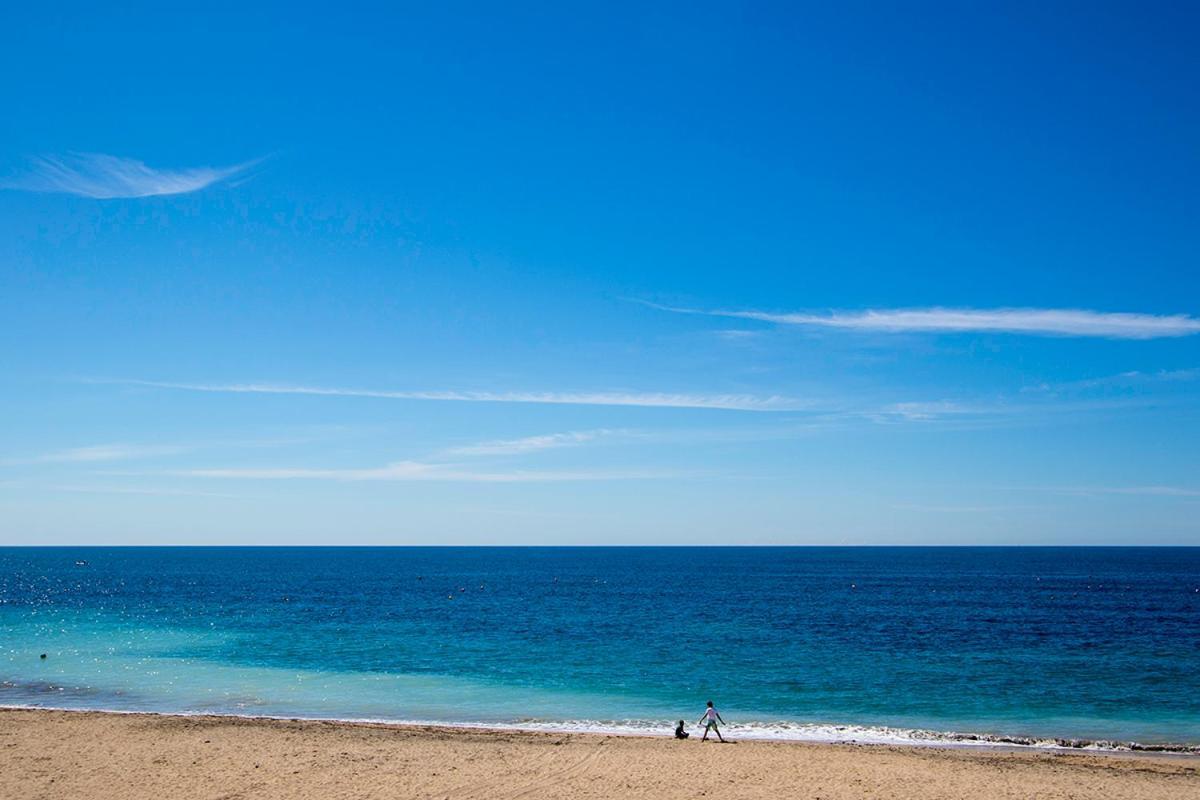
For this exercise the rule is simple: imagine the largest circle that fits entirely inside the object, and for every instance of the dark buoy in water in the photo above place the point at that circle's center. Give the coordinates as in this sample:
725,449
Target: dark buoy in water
43,656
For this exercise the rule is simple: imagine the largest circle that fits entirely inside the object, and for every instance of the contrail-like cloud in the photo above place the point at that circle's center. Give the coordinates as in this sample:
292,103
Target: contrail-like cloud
99,453
108,452
529,444
728,402
1030,321
105,177
419,471
1125,379
1151,491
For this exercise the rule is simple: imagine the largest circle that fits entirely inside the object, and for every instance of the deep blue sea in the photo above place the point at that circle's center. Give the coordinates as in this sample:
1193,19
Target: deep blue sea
866,644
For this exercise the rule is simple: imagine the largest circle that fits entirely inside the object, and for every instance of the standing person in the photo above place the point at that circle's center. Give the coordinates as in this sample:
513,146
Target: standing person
709,721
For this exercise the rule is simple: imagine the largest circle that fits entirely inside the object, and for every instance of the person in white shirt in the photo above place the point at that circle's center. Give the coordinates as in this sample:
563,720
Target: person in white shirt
709,721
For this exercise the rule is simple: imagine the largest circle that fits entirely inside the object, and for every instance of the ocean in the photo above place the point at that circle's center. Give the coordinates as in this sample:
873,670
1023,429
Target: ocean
1043,647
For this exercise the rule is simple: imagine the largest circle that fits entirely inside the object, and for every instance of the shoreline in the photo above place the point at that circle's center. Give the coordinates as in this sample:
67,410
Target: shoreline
938,740
53,754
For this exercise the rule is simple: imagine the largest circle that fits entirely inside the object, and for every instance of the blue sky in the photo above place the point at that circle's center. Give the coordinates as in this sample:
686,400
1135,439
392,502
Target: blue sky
678,274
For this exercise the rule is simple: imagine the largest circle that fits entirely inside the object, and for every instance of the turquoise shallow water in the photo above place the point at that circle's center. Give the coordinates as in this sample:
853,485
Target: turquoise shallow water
870,644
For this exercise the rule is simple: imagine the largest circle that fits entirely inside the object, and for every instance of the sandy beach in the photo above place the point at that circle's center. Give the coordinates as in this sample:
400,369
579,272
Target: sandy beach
58,754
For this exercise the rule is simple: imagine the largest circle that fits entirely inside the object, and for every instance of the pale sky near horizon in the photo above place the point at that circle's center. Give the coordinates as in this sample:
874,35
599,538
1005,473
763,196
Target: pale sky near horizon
600,274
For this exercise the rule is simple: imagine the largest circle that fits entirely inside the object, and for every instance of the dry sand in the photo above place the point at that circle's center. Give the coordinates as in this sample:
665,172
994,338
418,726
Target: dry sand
60,754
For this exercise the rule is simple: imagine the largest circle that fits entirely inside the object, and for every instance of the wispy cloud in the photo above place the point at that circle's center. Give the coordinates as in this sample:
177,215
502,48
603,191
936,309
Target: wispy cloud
418,471
813,414
925,411
107,452
107,177
957,509
138,490
736,334
127,452
1000,411
1151,491
529,444
728,402
1033,321
1126,379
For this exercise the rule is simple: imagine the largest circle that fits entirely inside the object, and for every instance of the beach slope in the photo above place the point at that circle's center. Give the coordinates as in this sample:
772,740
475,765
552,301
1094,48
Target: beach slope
58,754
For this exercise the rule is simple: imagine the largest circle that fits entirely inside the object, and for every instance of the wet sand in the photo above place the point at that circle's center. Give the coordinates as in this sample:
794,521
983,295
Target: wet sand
61,754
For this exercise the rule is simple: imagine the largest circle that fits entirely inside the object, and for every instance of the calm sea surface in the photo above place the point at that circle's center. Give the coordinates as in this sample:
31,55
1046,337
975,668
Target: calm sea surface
871,644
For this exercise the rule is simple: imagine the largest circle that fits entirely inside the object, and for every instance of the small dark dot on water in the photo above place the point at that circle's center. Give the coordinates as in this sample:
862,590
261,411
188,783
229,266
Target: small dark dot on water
43,655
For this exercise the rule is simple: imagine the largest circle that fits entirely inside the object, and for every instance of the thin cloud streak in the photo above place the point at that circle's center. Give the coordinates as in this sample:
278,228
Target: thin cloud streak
1149,491
529,444
926,411
105,177
127,452
107,452
418,471
122,490
1031,321
816,414
1130,378
725,402
952,509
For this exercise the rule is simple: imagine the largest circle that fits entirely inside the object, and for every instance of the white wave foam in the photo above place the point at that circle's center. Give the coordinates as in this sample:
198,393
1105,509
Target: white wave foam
827,733
779,731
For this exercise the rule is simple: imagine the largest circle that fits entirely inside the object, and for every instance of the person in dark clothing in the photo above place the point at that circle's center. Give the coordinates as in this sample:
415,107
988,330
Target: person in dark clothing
680,733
